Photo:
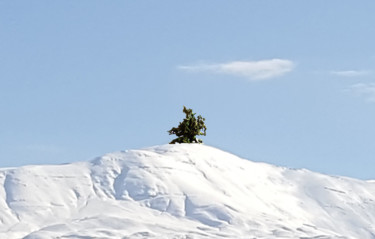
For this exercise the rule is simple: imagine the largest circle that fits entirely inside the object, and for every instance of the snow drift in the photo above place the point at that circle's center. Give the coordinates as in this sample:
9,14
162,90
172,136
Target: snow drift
181,191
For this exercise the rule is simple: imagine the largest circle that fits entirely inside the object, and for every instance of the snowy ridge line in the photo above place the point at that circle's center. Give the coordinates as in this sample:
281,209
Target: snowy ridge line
181,191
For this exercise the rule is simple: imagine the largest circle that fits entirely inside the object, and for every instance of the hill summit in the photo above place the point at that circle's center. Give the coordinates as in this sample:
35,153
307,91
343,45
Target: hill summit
181,191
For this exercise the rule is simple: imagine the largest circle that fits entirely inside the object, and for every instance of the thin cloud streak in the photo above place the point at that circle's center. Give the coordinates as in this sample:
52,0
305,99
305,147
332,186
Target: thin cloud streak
252,70
363,90
350,73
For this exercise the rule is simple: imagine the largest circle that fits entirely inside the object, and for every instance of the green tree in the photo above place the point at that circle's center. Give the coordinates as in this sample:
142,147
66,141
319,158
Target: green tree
189,128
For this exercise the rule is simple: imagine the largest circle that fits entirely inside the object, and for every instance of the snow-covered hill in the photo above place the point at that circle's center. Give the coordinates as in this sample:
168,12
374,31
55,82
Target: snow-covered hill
181,191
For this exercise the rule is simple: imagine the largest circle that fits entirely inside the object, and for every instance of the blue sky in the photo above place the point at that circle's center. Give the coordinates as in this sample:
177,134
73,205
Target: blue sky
284,82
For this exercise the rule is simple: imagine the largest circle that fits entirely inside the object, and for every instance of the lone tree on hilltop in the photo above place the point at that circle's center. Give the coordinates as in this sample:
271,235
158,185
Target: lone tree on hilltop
189,128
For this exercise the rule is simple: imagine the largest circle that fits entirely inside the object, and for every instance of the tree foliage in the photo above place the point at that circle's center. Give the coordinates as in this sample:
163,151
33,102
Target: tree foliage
189,128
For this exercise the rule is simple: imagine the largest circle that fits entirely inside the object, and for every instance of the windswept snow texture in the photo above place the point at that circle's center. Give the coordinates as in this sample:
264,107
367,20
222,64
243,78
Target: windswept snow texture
185,192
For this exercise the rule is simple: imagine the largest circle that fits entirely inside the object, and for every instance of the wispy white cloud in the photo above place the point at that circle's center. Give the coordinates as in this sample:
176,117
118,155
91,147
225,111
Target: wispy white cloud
350,73
252,70
366,90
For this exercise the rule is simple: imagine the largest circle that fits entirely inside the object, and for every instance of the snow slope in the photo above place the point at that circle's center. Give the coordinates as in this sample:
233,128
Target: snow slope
181,191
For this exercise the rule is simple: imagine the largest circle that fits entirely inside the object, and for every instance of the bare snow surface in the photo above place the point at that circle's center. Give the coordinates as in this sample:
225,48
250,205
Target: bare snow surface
183,192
